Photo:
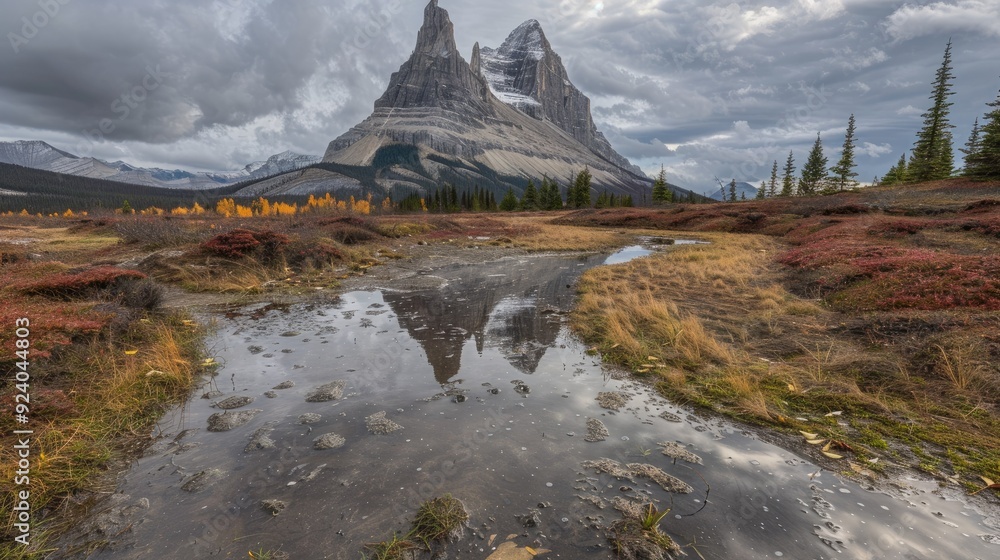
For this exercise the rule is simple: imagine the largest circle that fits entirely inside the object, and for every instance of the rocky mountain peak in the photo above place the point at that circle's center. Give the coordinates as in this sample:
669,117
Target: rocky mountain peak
476,62
436,75
527,74
510,113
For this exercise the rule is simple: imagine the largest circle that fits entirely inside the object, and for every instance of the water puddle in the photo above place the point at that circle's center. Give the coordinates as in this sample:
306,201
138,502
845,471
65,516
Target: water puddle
368,406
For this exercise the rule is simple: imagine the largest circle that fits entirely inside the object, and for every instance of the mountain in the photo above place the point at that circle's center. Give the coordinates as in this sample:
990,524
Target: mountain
742,189
509,115
40,155
528,75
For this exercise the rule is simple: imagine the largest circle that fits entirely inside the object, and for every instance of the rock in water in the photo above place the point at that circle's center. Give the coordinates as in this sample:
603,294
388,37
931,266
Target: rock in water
329,392
225,421
678,451
233,402
596,430
379,425
612,400
329,441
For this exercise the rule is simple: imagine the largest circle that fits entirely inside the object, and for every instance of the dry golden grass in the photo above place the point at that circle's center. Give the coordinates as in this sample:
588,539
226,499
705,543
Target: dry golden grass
116,396
713,325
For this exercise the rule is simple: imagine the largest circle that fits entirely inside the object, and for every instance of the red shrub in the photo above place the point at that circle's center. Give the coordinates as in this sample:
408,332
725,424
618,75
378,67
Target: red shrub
52,325
69,285
900,228
240,243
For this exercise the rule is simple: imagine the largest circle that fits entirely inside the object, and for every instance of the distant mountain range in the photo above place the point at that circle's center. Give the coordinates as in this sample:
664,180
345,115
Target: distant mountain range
40,155
742,189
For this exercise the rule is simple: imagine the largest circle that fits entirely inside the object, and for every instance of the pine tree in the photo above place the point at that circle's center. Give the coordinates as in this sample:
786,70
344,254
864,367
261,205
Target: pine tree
933,157
529,201
661,192
732,191
762,191
581,189
509,202
126,207
772,186
985,164
843,173
788,180
972,147
814,171
897,173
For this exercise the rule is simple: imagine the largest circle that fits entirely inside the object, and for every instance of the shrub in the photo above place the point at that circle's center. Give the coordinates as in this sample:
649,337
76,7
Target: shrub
240,243
351,235
984,205
137,293
79,284
312,255
155,232
847,209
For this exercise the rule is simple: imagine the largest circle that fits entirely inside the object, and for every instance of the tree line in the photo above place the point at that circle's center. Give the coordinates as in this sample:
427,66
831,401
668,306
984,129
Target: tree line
933,156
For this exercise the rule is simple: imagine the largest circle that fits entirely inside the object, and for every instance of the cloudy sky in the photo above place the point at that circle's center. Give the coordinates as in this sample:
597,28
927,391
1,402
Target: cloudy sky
705,88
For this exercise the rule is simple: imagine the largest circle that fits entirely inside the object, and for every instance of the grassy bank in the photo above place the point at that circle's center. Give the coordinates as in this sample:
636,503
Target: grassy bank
883,347
101,374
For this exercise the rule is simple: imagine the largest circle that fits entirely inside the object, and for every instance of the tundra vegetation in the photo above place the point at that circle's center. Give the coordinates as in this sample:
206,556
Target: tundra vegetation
867,318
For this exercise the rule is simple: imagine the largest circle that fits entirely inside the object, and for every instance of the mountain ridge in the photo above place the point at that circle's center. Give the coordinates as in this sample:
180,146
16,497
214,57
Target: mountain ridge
37,154
446,108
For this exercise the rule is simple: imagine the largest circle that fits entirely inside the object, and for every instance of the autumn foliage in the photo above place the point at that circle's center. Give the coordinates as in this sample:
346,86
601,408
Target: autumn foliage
75,284
240,243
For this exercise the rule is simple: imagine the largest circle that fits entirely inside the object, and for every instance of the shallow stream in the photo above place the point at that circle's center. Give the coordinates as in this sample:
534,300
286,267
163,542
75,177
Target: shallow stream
493,395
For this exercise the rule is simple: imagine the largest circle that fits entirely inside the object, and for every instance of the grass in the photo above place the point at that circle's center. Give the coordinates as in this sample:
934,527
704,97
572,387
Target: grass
440,519
104,364
396,548
95,401
641,538
718,327
437,520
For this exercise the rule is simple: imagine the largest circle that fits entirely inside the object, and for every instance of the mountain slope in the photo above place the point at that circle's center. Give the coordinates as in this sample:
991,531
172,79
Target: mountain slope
527,74
446,108
40,155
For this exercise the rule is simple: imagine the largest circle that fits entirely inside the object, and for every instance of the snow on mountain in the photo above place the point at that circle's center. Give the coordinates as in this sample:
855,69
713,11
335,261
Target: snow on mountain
40,155
742,190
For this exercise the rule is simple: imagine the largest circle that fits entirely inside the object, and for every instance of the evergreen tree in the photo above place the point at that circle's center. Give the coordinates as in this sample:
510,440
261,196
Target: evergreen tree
933,157
762,191
126,207
509,202
985,163
581,189
661,192
843,173
897,173
972,147
732,191
788,180
529,201
772,186
814,171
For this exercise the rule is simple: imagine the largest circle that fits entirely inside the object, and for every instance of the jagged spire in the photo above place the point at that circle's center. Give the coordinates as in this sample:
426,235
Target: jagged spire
476,60
436,74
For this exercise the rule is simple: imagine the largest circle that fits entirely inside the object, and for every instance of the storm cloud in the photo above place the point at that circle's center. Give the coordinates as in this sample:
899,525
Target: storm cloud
704,88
